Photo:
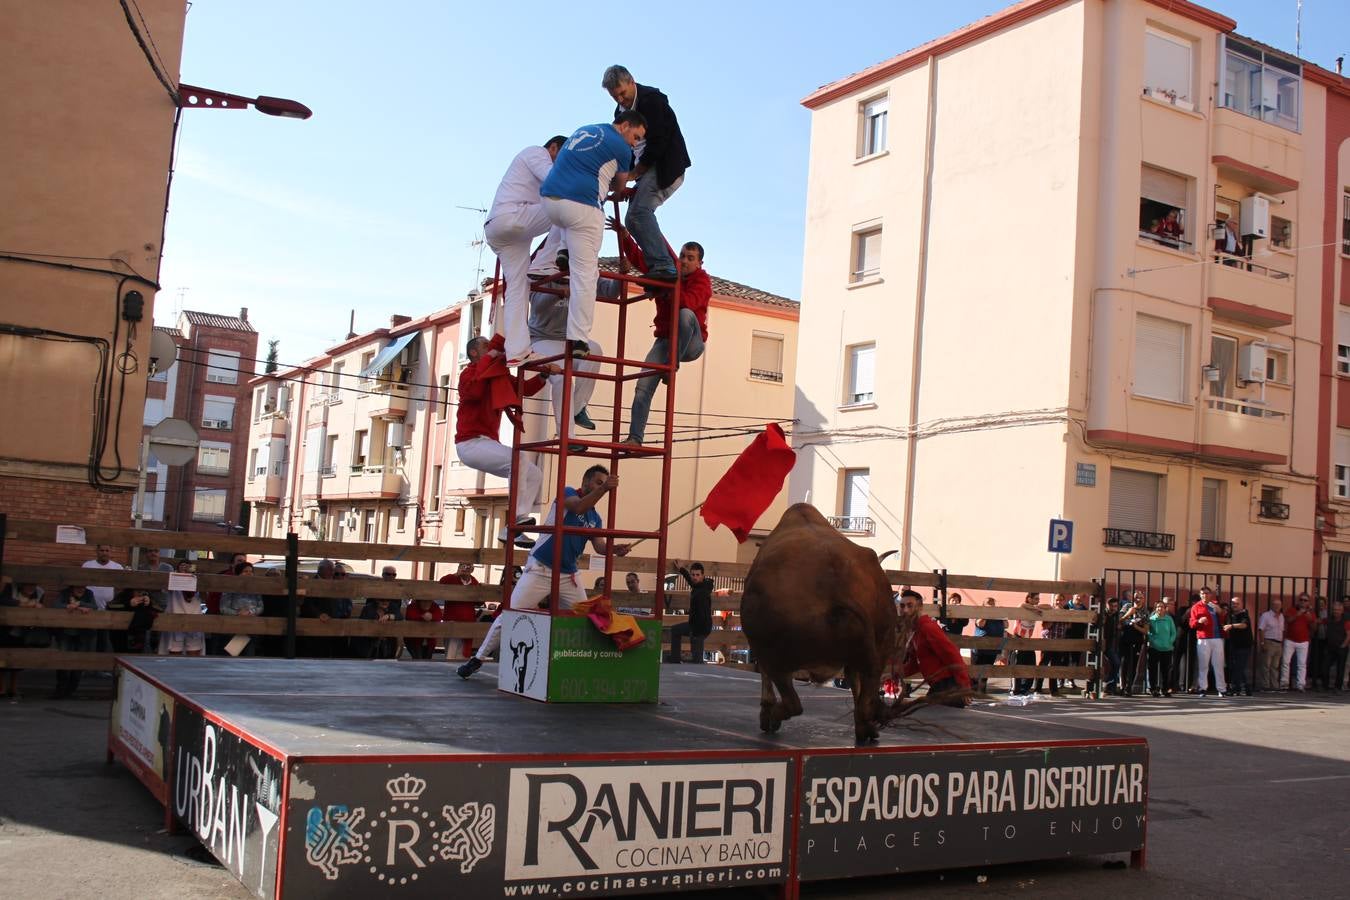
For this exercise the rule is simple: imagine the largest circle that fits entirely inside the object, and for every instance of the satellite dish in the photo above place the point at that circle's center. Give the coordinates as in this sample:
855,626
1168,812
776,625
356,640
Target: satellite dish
163,352
174,442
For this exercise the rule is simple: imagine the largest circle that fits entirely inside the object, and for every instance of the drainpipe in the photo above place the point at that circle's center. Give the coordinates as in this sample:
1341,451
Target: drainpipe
920,295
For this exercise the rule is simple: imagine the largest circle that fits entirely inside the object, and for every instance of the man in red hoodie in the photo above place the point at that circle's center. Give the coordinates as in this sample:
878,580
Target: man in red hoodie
695,292
932,653
478,423
1206,619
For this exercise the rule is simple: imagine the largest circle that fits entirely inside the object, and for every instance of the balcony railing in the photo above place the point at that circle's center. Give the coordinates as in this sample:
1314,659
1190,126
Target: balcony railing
328,471
854,524
1176,243
1242,262
1215,549
766,375
1269,509
1139,540
1245,407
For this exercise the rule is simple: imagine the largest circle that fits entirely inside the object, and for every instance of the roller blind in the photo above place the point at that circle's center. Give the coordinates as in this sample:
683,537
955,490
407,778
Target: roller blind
1164,187
861,368
1160,359
857,490
1134,500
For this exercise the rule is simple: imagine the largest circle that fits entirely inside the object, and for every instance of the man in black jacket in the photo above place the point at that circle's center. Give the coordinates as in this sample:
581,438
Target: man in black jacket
699,624
661,162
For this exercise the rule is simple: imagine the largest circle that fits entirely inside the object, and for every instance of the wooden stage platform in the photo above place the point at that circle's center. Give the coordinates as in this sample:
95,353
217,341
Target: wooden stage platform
315,778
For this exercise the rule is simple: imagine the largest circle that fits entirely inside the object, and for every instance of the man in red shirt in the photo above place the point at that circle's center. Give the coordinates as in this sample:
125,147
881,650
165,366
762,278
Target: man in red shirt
1298,626
1206,619
460,609
423,609
932,653
478,424
695,293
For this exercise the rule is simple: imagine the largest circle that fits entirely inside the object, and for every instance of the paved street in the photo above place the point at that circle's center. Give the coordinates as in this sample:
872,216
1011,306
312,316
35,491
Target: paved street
1247,799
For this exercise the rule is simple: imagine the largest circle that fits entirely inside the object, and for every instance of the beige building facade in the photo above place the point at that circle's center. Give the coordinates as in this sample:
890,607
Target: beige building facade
1060,251
355,454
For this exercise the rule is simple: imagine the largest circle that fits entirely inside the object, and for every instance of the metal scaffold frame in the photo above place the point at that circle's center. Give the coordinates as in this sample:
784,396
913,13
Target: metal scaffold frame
633,289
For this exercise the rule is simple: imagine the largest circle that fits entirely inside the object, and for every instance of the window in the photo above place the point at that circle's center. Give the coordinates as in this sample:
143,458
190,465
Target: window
766,356
866,255
1277,366
857,491
443,399
154,411
315,442
434,501
1345,224
213,457
222,366
208,506
399,518
860,374
1160,359
360,449
1261,85
1281,233
1340,486
1135,500
333,383
1223,359
368,526
259,404
459,519
1212,496
366,359
329,455
1162,207
253,463
1167,68
873,131
1272,503
218,413
1343,342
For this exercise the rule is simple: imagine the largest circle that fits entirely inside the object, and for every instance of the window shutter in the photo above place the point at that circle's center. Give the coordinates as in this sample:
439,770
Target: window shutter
314,449
219,409
766,353
862,373
222,367
1164,187
1160,358
365,444
1134,500
1167,63
857,489
1211,490
868,260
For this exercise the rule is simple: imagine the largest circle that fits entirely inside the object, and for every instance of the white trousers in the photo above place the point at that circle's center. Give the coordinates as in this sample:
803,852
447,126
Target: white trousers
582,388
1292,650
532,587
583,228
494,458
1207,651
509,234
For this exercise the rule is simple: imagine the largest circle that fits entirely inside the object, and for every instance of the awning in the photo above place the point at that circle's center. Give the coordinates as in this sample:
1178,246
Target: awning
387,355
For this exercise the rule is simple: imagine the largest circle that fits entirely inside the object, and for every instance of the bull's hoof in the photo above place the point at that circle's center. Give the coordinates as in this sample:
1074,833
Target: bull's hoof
769,720
865,739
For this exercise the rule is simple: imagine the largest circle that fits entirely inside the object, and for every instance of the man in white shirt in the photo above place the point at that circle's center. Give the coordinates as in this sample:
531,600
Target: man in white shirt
517,217
102,595
1270,646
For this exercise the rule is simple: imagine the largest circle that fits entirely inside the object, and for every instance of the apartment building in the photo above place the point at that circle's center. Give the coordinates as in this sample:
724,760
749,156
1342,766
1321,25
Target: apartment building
1078,293
208,387
86,150
358,445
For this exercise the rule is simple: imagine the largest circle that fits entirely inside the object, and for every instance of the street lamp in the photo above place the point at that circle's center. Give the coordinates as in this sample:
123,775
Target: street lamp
190,97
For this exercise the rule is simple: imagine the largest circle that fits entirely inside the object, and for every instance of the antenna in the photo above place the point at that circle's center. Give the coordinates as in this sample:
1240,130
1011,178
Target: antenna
479,241
1298,29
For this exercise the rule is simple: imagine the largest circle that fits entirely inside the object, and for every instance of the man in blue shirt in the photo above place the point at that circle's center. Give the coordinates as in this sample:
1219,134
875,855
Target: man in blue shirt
594,161
535,582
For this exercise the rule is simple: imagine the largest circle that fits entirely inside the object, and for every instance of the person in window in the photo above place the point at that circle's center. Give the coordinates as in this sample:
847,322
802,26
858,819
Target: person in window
1169,228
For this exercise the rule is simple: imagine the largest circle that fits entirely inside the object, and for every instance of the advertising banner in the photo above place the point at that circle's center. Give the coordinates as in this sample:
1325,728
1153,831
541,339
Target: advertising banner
878,813
524,654
469,829
142,722
586,667
227,792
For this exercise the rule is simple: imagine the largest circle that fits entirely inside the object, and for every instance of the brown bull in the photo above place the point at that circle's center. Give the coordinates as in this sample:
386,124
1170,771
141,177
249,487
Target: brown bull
815,601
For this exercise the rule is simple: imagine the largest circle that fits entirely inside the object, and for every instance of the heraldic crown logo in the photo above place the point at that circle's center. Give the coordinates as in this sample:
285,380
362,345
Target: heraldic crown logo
403,839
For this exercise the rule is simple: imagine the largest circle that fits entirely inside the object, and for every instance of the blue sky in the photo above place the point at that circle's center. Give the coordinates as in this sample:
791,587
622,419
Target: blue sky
419,105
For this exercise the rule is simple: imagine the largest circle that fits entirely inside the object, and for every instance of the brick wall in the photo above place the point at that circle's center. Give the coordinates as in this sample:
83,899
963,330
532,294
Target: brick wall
63,502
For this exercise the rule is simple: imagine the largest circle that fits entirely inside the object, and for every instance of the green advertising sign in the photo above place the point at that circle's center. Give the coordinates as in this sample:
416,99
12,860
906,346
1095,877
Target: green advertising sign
586,667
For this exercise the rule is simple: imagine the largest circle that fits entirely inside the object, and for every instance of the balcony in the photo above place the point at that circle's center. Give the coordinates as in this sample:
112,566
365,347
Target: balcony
264,488
271,425
387,400
862,525
1269,509
1244,432
1254,293
1139,540
366,481
1214,549
328,471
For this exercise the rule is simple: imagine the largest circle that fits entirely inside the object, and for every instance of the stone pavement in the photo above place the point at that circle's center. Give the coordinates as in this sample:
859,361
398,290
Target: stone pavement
1248,798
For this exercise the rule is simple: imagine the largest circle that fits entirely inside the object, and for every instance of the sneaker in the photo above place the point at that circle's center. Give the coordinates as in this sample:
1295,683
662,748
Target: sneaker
526,357
583,420
469,667
524,542
663,275
580,349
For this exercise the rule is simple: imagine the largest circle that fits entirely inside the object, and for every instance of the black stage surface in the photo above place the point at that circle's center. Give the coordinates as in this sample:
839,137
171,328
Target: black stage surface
343,778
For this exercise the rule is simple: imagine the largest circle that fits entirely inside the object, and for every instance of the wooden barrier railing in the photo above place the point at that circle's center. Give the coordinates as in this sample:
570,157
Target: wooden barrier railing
364,588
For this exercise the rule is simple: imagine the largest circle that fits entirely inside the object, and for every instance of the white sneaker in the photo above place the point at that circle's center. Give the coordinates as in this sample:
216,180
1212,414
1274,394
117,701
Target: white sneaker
527,357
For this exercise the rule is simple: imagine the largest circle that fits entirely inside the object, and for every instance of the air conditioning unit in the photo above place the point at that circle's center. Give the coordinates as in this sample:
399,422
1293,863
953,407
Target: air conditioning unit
1254,217
393,437
218,424
1252,364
